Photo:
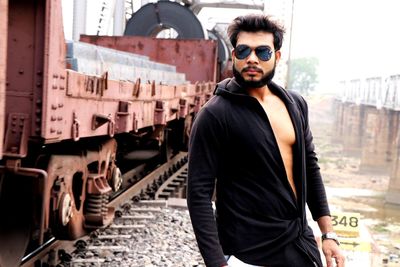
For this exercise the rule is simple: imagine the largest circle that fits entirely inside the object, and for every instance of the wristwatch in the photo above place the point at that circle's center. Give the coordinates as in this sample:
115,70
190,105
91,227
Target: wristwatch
330,235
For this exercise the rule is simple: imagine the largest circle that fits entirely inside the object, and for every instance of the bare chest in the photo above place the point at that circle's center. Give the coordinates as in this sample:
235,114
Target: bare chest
280,122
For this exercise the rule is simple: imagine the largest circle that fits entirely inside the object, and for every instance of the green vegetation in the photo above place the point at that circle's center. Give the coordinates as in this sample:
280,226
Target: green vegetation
303,75
380,228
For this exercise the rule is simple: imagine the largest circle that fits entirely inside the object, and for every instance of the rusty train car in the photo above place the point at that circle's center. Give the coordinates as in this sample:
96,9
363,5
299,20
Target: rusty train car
74,118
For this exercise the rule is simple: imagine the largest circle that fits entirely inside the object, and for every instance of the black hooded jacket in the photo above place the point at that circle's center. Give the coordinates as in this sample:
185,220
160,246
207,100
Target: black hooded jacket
258,218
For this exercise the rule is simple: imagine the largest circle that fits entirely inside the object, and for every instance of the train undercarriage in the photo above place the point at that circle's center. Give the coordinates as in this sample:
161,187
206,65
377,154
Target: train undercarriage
66,188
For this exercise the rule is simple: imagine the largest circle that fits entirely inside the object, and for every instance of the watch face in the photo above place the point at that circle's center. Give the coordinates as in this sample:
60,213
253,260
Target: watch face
331,235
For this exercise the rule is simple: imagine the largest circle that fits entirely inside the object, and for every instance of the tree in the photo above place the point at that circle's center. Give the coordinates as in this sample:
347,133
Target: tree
303,75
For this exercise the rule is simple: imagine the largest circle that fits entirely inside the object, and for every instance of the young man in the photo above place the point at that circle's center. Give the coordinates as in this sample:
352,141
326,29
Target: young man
252,140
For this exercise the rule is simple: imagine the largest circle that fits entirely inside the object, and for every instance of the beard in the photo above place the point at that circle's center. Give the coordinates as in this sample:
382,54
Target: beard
265,79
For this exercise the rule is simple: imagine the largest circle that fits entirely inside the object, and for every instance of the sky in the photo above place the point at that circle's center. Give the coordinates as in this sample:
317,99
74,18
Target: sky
351,38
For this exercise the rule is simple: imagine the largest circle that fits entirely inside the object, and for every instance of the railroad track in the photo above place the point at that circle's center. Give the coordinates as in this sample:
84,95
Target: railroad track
146,233
136,208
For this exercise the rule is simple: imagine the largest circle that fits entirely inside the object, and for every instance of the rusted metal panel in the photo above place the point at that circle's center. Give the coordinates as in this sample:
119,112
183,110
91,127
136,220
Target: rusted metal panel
24,70
54,74
36,79
196,58
16,137
25,60
3,58
122,107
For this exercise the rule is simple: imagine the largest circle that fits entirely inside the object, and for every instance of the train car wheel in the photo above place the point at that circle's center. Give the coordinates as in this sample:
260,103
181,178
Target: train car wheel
67,175
116,179
65,210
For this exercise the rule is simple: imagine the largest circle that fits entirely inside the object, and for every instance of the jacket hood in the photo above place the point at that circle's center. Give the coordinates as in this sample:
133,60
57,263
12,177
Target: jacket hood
231,88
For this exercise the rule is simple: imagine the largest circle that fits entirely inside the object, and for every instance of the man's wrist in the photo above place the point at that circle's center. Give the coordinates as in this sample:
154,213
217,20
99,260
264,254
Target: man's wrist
330,236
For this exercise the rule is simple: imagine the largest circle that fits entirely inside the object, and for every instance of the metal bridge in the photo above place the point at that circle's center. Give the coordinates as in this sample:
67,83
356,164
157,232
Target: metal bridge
381,92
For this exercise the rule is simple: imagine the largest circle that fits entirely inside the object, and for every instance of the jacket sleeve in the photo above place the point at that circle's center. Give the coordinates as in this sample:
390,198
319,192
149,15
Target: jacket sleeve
316,195
204,154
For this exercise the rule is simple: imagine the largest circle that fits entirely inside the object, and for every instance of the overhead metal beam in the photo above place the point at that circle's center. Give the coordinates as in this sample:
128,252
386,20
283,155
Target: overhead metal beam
200,4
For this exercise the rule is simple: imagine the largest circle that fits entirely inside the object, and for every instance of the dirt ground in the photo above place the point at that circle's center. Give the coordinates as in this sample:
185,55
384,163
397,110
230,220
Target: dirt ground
339,170
355,191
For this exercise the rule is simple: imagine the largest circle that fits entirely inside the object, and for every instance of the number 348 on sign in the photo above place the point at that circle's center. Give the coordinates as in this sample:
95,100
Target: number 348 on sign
346,224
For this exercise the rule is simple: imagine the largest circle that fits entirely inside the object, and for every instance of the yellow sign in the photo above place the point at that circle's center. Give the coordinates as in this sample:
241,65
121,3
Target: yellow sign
355,244
346,224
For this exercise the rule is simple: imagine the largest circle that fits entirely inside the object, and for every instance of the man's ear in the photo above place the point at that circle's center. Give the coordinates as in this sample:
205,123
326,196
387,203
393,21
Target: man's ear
233,55
277,56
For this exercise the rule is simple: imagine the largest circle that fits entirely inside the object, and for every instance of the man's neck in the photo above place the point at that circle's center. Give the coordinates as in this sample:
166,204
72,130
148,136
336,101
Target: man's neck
259,93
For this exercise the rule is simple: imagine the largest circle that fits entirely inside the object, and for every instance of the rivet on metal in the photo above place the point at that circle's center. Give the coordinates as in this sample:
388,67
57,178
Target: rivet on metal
53,106
53,118
52,130
60,105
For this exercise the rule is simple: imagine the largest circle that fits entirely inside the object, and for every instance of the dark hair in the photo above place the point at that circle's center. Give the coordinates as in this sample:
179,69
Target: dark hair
256,23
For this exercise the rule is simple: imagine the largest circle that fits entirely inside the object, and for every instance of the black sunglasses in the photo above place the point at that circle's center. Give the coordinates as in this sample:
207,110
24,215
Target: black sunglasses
263,52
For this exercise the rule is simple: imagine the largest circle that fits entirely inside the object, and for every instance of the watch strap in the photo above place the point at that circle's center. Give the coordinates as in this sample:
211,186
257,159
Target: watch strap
332,236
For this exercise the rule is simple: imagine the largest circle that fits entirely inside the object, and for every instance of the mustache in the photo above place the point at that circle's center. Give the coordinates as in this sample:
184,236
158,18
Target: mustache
252,69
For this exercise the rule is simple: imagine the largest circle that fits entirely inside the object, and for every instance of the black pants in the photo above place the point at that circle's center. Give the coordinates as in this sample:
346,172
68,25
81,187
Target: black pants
294,256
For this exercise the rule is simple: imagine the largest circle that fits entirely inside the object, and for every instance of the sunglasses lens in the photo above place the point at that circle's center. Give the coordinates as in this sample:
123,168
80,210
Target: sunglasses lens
264,53
242,51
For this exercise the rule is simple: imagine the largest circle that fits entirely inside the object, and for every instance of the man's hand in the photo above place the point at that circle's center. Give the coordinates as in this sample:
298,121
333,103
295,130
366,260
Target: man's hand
332,252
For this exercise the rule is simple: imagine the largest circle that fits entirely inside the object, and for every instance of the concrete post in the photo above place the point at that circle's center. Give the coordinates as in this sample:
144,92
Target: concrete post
393,194
375,141
338,125
79,19
353,118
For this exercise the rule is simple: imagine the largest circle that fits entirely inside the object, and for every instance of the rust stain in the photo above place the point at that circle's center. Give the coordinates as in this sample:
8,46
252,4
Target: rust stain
202,56
140,45
177,48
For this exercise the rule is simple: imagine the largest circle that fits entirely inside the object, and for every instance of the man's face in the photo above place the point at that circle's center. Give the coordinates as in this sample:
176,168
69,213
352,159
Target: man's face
251,71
